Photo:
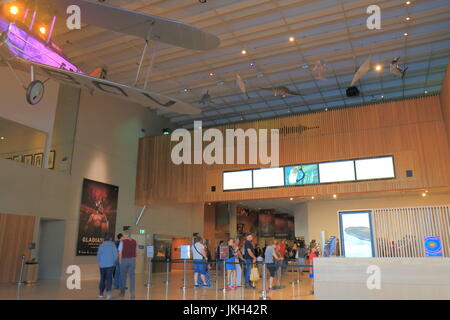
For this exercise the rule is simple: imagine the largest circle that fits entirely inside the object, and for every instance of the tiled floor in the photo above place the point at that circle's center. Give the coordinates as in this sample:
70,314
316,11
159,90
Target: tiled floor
57,290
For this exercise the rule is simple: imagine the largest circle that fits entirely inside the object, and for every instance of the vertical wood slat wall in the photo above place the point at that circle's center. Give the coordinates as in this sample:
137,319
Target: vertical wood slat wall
413,131
16,233
400,232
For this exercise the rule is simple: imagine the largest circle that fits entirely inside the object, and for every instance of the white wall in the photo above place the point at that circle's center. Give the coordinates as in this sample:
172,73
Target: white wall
105,150
301,221
16,108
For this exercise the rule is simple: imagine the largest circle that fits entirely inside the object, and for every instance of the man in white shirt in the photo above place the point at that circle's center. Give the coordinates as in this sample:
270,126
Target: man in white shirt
199,259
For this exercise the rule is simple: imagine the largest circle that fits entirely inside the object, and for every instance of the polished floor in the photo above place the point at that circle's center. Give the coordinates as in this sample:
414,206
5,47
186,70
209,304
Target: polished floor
297,287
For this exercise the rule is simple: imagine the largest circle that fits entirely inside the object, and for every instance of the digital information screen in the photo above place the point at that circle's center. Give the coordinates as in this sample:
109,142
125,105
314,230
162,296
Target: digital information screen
237,180
270,177
301,175
337,171
377,168
356,234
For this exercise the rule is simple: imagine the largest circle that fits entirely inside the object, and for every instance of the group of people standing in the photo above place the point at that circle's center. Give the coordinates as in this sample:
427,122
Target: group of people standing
117,262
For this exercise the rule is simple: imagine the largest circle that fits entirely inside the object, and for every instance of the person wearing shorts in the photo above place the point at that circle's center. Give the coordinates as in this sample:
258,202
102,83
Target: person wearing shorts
230,265
314,254
270,258
199,255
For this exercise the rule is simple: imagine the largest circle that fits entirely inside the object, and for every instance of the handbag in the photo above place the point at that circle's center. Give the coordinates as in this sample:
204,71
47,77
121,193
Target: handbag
254,274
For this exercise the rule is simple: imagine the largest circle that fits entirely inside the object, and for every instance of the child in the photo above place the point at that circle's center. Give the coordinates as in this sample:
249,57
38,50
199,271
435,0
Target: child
230,265
314,254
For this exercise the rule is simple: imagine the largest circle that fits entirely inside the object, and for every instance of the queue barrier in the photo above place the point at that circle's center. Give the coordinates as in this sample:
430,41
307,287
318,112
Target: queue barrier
224,262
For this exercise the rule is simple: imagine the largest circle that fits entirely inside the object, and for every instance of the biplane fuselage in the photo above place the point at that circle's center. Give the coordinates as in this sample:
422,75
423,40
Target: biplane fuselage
25,44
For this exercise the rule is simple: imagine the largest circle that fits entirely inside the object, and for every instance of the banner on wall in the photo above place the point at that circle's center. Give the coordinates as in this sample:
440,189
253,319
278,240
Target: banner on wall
281,226
266,224
433,246
291,228
98,210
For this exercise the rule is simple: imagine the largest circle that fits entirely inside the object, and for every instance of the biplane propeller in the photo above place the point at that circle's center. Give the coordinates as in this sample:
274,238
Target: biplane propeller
26,45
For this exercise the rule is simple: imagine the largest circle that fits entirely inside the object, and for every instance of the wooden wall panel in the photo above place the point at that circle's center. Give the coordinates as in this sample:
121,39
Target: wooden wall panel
413,131
445,101
16,233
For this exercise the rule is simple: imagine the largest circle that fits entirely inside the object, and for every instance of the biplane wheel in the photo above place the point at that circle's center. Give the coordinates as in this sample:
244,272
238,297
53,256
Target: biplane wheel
35,92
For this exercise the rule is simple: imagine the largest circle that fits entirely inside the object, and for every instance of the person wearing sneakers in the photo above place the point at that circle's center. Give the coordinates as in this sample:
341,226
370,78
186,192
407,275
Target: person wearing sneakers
107,256
231,265
270,256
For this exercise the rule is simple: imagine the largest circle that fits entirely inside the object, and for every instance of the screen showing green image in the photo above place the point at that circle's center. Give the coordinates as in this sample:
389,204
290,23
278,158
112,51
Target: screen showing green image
300,175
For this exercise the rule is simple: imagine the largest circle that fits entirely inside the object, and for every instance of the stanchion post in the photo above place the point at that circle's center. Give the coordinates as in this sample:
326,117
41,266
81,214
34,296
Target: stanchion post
217,272
224,289
184,275
292,271
22,266
299,270
264,291
167,271
149,277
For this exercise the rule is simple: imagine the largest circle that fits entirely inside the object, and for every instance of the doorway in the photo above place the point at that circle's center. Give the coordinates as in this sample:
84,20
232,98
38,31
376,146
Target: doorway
51,249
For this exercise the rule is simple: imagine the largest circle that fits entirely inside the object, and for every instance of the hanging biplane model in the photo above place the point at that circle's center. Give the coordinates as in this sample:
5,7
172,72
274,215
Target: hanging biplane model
25,44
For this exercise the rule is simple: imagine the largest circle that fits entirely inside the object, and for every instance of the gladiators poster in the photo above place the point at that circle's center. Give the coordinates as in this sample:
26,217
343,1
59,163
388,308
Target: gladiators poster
266,221
281,226
98,211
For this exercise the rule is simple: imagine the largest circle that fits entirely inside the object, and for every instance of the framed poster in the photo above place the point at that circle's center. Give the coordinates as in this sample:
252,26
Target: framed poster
356,234
37,159
266,224
98,210
51,159
28,159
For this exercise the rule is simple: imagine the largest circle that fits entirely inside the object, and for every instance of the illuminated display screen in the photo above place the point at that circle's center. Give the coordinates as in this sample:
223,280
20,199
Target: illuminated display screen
356,234
237,180
300,175
337,171
377,168
270,177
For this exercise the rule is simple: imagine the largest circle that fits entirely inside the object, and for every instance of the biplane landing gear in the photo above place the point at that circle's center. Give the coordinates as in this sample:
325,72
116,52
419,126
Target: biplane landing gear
35,92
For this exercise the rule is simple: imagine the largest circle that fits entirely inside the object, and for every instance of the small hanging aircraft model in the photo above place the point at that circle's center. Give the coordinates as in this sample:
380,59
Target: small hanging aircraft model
25,44
282,91
241,85
319,69
396,69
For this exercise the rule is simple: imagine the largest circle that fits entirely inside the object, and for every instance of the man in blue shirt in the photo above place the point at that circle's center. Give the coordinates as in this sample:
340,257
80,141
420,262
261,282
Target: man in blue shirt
250,258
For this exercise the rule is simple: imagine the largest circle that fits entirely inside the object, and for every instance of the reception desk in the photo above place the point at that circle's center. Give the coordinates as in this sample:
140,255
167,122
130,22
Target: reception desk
382,278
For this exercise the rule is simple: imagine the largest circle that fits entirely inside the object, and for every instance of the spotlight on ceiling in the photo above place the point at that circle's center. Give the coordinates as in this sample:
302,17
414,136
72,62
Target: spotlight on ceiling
43,30
378,68
244,51
406,34
166,131
14,10
291,39
212,74
408,3
2,138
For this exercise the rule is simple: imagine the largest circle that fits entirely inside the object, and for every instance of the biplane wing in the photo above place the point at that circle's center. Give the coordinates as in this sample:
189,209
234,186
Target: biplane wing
136,23
143,97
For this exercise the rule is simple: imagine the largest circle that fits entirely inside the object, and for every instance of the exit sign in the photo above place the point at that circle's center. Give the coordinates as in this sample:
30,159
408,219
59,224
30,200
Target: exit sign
142,231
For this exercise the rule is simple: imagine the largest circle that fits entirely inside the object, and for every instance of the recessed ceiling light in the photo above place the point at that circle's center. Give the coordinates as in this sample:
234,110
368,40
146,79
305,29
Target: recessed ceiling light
212,74
424,194
291,199
378,67
244,51
382,97
252,64
326,109
185,90
335,196
408,3
312,198
2,138
291,39
408,18
426,92
405,34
